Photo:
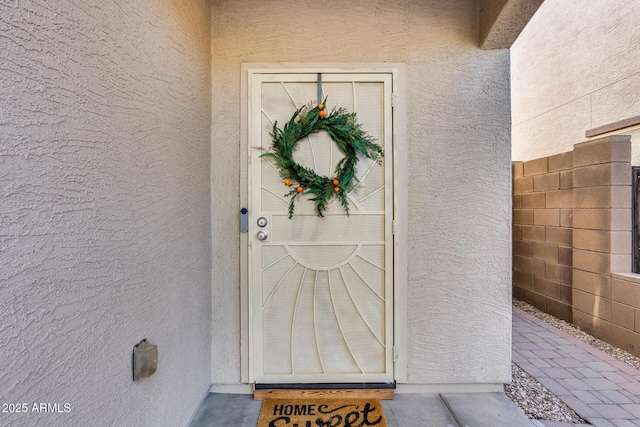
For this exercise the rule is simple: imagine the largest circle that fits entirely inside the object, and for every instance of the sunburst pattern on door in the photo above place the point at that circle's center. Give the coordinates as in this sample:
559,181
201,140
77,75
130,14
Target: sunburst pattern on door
334,321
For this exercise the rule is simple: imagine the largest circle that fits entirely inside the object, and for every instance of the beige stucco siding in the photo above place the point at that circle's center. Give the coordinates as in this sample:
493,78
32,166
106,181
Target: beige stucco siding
459,208
104,209
574,68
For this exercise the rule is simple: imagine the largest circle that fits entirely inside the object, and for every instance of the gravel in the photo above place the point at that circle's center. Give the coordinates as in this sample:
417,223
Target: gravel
532,397
535,400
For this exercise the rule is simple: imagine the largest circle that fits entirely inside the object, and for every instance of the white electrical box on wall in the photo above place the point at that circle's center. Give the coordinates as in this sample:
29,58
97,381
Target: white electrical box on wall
145,360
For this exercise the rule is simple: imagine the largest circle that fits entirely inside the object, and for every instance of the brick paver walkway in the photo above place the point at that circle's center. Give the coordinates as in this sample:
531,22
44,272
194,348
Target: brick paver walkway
601,389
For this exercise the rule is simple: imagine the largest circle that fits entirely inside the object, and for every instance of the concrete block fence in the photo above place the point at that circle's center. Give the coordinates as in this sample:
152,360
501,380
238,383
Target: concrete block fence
572,239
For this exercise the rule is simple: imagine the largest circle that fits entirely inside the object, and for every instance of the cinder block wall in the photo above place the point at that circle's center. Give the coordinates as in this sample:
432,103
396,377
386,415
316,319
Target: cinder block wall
601,229
572,239
542,233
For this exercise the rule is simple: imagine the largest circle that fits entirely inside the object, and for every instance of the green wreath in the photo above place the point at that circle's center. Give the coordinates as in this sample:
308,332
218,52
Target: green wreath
348,135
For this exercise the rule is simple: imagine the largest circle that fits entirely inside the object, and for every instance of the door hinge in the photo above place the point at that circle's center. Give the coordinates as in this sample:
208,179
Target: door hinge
394,227
394,100
394,353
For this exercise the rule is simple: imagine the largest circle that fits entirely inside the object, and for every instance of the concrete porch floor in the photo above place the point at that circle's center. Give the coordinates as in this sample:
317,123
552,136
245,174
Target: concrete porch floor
406,410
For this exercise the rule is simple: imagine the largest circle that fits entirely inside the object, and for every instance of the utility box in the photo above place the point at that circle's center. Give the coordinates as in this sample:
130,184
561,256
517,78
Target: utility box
145,360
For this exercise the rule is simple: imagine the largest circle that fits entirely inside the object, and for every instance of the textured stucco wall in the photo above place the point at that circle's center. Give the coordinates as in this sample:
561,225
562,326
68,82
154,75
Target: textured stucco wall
459,289
574,68
501,21
104,208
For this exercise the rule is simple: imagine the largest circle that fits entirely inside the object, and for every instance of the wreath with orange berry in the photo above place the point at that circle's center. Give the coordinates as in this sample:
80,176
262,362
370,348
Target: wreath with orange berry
350,139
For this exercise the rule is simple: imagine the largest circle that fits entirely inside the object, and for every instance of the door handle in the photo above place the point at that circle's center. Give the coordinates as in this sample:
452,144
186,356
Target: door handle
262,235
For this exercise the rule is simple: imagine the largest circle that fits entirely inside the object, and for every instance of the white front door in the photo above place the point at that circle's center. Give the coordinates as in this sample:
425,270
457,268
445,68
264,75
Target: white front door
320,289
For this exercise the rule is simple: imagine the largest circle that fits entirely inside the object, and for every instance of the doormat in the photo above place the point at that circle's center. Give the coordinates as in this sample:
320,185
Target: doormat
321,413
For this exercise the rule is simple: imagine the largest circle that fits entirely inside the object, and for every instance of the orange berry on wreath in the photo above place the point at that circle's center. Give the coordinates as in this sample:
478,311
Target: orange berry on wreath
321,113
299,189
336,182
287,182
320,106
336,189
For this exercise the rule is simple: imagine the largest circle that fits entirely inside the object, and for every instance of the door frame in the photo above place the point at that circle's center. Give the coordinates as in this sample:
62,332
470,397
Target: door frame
400,196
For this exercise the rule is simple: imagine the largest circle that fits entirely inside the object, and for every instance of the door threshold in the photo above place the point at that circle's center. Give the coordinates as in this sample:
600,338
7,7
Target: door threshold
383,391
324,386
382,394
